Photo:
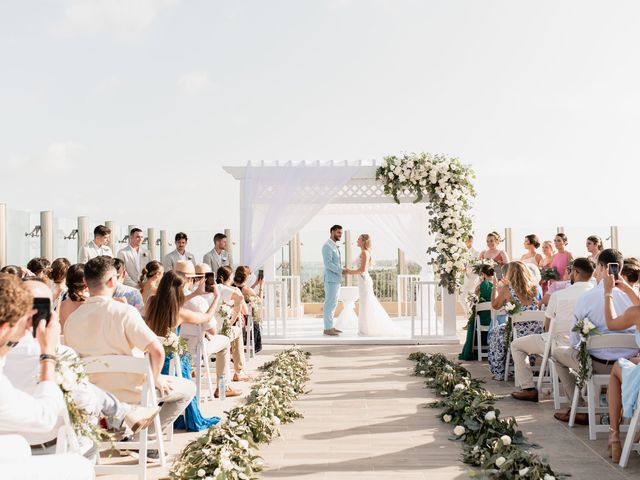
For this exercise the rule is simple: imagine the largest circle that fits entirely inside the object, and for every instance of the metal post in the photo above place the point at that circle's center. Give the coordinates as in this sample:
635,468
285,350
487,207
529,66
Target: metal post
46,235
164,244
508,242
113,241
402,263
348,259
151,243
83,233
614,237
3,235
227,232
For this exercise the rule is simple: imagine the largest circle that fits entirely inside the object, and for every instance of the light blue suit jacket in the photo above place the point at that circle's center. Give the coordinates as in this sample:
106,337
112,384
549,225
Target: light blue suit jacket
332,263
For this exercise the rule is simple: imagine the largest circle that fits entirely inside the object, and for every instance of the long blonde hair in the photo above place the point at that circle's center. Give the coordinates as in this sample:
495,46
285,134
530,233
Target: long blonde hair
521,280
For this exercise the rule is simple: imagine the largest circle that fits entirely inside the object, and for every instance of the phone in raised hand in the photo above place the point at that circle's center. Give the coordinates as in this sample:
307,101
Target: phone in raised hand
614,269
43,307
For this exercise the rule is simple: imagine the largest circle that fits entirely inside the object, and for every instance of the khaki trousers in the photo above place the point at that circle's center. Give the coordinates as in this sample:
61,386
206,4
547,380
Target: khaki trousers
566,357
237,349
521,348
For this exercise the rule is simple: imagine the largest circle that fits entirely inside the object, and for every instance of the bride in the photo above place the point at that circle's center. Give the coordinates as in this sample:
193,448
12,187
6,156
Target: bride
373,320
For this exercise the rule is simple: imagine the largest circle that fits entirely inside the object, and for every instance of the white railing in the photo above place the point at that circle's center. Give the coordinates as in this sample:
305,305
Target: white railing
274,323
293,287
424,321
404,291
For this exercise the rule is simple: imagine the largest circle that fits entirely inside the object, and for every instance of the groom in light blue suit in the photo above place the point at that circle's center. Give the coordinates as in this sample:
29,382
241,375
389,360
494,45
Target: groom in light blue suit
333,272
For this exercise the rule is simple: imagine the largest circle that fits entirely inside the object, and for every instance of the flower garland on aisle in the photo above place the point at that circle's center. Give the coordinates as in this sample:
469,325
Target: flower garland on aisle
447,185
490,442
226,451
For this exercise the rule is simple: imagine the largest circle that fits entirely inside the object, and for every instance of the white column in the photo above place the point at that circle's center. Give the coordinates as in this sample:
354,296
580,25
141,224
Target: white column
227,232
3,235
348,255
560,229
402,263
243,255
113,241
508,242
46,235
614,237
449,313
164,244
151,243
83,232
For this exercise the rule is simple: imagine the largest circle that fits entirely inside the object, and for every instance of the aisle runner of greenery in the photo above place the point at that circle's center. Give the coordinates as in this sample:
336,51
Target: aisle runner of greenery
490,442
225,451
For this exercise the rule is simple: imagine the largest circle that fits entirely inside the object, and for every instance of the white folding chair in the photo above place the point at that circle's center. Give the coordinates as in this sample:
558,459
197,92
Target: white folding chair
527,316
630,442
203,357
141,366
591,390
250,347
483,350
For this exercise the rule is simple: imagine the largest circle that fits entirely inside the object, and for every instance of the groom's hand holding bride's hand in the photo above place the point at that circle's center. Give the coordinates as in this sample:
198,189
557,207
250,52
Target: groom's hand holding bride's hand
345,271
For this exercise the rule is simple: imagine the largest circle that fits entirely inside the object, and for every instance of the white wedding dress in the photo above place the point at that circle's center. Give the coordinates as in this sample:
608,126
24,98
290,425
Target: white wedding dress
373,320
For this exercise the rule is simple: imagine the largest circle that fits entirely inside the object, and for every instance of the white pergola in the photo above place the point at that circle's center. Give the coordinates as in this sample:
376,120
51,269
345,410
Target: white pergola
278,199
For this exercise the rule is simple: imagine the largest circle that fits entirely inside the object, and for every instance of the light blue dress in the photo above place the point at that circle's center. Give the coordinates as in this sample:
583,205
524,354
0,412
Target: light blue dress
630,383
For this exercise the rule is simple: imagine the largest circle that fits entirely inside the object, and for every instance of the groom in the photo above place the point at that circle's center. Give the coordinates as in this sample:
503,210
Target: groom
333,272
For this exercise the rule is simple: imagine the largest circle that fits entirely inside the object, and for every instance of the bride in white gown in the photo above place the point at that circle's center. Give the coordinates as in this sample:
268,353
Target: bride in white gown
373,320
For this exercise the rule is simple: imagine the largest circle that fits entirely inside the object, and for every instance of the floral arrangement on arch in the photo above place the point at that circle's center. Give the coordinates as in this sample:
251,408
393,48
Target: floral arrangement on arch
447,185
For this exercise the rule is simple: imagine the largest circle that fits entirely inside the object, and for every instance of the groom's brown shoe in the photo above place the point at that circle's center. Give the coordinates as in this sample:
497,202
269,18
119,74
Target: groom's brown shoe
331,332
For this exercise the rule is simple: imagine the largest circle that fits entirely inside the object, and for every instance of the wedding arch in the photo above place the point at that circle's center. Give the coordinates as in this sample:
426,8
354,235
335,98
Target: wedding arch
278,199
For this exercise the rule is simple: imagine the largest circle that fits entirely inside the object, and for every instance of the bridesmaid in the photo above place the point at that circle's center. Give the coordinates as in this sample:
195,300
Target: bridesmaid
547,254
531,245
594,247
493,253
562,257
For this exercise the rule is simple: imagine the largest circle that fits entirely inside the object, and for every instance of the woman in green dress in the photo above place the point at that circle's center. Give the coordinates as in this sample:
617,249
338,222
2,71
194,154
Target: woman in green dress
484,295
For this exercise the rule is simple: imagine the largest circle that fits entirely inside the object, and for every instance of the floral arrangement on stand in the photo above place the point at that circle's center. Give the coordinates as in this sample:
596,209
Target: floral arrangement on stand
226,451
512,309
447,185
70,377
255,303
175,345
584,328
225,313
490,442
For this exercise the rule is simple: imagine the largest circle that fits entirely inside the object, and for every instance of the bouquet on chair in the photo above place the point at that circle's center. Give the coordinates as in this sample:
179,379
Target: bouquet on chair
511,308
584,328
255,303
175,345
71,377
225,313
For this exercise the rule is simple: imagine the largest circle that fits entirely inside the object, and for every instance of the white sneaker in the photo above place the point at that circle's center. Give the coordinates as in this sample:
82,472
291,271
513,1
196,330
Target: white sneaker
140,417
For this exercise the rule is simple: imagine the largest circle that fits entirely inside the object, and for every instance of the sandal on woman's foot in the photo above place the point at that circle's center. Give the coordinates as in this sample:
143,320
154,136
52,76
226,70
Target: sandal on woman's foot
241,377
614,445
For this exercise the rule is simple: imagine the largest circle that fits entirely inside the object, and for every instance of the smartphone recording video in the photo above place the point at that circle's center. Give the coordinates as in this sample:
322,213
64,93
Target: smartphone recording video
43,307
209,281
614,269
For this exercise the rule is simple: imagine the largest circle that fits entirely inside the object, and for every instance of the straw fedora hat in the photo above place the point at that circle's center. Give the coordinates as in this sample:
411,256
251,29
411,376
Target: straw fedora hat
202,269
186,268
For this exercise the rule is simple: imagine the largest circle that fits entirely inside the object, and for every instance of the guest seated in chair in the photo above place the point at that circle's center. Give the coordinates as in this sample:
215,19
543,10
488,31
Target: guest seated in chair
591,305
21,412
104,326
484,295
561,305
241,281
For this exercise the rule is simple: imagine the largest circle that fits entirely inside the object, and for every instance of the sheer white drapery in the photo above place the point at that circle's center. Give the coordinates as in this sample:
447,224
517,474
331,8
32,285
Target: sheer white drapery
279,201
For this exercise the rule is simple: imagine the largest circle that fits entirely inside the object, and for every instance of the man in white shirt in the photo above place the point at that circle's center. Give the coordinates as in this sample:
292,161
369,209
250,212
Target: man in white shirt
218,256
129,294
22,370
135,258
180,253
21,412
560,310
591,305
216,344
97,247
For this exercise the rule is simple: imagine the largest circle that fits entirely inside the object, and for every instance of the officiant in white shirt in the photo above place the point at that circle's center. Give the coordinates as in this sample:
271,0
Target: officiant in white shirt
218,256
97,247
180,253
135,258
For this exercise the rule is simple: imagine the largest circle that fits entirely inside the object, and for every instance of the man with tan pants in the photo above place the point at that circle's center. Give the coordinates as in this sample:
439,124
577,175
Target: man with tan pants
560,309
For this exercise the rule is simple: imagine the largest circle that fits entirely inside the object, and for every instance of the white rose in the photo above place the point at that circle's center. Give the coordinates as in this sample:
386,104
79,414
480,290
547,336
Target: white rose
459,430
243,443
506,440
201,473
422,372
446,418
549,477
476,448
397,170
459,386
402,178
263,391
500,461
509,306
523,471
276,420
490,416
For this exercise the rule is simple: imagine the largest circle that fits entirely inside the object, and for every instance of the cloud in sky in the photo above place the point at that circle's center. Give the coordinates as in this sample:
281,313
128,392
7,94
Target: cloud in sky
193,83
59,158
122,18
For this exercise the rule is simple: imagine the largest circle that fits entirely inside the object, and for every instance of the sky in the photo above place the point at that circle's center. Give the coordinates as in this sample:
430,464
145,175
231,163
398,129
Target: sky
128,109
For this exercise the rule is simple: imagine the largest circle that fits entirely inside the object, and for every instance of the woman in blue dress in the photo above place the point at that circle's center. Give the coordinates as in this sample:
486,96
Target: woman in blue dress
164,314
519,286
624,382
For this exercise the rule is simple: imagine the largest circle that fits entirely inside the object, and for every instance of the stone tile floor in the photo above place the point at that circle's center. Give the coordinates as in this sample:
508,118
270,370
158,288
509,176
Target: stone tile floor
365,418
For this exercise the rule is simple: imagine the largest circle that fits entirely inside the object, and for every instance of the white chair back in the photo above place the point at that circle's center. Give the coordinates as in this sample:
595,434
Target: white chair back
612,340
528,316
483,307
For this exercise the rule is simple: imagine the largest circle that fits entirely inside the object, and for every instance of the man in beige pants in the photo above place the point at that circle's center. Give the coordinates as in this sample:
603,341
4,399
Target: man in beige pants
560,309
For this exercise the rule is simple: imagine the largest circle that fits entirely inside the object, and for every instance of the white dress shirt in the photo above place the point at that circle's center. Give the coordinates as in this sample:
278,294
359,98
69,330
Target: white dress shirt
23,413
91,250
561,307
591,305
